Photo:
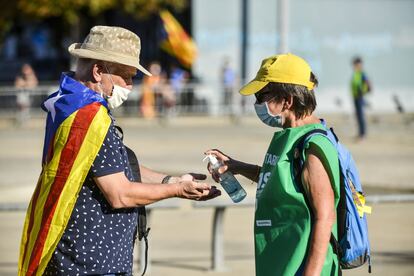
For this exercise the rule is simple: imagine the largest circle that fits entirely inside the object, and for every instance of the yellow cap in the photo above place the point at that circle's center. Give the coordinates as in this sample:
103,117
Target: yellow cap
286,68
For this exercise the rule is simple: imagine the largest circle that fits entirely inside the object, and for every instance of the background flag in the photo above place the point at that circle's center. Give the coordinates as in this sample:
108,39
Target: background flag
177,42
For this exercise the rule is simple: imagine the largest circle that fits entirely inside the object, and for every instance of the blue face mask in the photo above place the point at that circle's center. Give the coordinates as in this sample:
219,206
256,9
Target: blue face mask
262,111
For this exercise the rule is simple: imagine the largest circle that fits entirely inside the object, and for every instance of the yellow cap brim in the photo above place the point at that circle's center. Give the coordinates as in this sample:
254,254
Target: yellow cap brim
252,87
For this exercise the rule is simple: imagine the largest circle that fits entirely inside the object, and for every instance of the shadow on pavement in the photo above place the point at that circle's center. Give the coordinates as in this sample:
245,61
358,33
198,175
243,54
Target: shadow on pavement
395,257
184,262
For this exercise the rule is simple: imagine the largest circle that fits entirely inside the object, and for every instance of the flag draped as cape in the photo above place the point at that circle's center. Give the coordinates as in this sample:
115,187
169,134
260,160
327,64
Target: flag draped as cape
77,123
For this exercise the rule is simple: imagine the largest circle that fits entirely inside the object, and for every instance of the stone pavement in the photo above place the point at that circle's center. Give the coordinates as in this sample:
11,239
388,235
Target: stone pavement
180,239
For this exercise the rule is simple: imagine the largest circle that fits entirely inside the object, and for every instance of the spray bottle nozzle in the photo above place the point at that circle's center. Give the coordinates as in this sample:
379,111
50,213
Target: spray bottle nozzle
211,158
206,157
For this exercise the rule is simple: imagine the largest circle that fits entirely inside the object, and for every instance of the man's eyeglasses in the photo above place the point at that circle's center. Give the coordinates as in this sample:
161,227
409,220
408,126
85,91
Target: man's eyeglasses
262,97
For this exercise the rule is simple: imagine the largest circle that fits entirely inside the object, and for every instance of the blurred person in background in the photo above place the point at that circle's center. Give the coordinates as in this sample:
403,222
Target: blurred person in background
228,84
166,98
158,96
150,87
82,218
360,86
27,78
292,237
188,99
178,80
25,82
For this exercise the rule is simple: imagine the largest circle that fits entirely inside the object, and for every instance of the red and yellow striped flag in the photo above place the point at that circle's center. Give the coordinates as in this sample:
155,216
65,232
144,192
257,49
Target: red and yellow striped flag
178,43
71,152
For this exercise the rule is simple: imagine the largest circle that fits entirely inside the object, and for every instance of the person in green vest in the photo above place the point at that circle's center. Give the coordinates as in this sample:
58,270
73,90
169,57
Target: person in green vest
360,86
291,236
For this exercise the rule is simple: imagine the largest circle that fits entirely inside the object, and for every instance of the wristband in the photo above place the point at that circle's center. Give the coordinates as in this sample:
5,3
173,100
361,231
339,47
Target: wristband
166,179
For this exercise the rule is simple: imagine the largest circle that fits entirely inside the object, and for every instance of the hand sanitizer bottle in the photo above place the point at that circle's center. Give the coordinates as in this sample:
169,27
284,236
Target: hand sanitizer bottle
228,181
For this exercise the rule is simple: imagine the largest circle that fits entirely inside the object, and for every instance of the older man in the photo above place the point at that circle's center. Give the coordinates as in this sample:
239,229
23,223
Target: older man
82,216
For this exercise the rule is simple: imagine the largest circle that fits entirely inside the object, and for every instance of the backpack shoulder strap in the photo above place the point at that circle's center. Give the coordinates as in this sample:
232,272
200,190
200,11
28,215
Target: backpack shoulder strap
142,214
305,138
300,147
133,163
298,163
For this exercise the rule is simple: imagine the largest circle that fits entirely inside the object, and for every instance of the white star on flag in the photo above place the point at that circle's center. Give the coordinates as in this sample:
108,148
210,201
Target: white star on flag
50,105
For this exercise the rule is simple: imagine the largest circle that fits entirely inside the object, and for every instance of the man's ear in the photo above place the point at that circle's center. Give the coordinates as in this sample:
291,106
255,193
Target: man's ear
97,71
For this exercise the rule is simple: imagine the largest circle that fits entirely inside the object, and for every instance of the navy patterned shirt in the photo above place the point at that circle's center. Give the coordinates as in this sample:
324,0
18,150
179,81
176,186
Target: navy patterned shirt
98,239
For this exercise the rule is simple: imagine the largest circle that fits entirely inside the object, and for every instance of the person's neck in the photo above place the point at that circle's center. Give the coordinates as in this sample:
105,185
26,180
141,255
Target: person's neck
294,122
88,83
91,85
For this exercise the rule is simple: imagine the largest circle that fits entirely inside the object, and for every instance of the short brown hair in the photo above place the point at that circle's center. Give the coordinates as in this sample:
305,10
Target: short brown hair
304,101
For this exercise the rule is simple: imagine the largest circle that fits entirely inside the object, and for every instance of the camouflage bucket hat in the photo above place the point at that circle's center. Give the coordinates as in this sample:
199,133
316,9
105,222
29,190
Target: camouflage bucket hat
113,44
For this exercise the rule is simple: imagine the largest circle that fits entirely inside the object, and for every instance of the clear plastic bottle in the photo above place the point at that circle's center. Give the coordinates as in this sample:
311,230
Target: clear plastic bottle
228,181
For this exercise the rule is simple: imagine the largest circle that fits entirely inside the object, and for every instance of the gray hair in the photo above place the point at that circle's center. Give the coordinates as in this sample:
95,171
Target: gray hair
84,66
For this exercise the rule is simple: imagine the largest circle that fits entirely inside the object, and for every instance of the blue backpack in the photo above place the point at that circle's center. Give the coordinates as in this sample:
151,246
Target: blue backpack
352,246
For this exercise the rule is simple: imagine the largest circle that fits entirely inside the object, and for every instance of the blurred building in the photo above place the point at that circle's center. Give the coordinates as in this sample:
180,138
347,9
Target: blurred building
327,34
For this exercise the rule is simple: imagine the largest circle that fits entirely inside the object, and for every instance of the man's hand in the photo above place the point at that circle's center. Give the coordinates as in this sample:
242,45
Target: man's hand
187,177
190,189
194,176
196,191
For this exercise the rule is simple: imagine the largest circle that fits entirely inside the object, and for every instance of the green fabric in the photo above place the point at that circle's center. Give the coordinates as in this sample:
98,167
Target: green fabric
282,218
359,87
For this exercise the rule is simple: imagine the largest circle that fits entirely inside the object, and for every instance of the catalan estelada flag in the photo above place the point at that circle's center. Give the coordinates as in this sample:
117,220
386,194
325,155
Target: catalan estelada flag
76,125
177,42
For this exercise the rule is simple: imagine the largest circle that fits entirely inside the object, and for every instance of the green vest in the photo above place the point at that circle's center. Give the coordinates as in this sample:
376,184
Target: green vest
359,85
282,218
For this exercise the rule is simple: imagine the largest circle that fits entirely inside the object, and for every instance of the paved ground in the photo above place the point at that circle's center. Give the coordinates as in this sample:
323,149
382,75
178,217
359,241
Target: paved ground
180,239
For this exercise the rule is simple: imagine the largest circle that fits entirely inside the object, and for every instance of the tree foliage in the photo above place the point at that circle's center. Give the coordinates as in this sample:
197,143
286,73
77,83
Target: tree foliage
70,10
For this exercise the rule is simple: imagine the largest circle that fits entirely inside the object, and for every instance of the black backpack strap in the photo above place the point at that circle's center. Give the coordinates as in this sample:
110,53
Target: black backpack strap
142,219
142,230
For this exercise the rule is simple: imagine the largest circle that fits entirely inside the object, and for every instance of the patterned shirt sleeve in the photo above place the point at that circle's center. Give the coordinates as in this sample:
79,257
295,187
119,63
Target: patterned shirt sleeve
109,159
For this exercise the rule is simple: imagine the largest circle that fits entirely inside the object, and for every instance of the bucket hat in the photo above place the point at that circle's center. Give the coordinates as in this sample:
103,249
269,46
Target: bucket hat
284,68
113,44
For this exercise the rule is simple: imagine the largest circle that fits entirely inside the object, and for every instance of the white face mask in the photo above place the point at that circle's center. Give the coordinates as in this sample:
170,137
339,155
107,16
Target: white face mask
119,94
264,114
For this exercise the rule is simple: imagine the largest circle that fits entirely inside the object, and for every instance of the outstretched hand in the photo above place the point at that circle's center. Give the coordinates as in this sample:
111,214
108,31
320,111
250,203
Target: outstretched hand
196,191
194,176
213,192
